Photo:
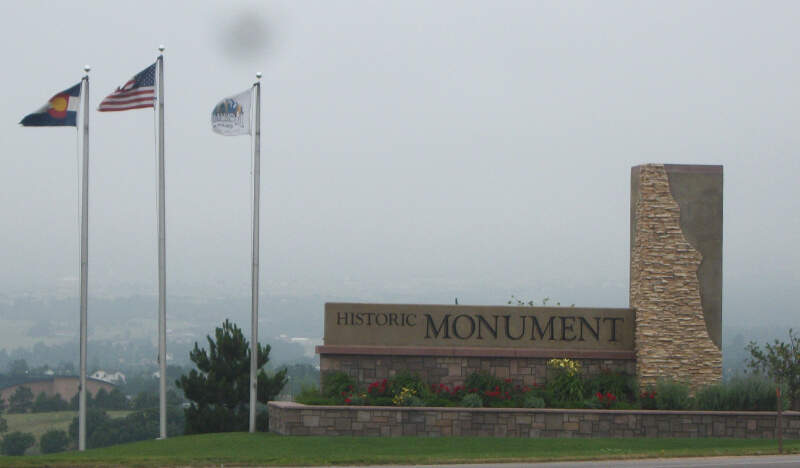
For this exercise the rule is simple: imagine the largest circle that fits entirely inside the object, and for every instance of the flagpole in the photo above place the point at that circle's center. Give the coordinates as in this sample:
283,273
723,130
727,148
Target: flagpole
254,279
162,254
84,258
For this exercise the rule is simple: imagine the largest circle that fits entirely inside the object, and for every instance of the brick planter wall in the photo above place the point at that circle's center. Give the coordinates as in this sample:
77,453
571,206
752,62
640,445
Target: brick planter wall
453,370
288,418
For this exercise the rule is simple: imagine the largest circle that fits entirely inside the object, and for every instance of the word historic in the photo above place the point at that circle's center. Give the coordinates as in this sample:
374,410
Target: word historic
478,326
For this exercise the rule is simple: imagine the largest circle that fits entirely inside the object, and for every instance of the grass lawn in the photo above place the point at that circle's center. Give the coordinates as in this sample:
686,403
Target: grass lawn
39,423
269,449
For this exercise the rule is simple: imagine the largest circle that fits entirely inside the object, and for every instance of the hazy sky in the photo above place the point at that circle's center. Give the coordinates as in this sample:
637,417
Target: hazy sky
410,149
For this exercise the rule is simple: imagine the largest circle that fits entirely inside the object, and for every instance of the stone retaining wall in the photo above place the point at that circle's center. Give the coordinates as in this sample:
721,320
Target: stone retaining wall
289,418
453,370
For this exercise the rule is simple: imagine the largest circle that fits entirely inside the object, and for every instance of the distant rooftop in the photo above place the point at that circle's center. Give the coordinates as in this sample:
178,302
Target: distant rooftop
7,381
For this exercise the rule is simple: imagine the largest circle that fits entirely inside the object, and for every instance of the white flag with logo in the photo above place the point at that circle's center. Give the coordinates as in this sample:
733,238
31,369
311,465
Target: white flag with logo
232,115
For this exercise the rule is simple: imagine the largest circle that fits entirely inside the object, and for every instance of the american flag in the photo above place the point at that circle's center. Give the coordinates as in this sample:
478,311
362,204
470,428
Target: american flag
139,92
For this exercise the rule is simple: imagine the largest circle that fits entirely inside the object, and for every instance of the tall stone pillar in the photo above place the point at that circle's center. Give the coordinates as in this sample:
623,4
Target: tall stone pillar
676,272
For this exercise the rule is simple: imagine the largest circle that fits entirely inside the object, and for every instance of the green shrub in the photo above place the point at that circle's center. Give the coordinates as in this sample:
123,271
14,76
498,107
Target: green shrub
624,386
379,401
337,384
491,389
623,405
442,402
413,401
647,399
671,395
712,398
113,400
54,441
95,420
16,443
472,400
482,382
102,431
565,381
741,393
312,396
357,400
753,393
533,401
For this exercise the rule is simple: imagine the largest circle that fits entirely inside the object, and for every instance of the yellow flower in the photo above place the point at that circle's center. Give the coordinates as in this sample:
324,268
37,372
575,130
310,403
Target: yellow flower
568,365
405,394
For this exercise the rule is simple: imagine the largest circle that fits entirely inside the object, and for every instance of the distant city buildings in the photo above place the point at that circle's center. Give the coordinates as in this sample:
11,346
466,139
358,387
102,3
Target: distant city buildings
115,378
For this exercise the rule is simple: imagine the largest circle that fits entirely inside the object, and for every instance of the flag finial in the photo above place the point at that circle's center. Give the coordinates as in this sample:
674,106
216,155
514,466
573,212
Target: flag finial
258,75
87,68
161,48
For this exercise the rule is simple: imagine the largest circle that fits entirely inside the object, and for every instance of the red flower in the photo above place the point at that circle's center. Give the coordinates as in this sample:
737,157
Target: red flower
507,380
347,400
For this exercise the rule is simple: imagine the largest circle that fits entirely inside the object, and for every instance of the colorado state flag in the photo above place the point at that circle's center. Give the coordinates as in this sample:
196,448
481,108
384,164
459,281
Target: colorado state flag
61,109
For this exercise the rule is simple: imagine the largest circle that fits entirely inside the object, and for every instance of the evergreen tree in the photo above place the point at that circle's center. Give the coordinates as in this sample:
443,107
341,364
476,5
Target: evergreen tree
20,401
219,389
44,403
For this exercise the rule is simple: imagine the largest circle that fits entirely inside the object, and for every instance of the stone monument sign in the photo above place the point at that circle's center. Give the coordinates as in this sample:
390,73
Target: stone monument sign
673,328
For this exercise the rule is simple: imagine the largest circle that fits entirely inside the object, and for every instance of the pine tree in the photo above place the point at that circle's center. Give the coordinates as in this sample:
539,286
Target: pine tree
20,401
219,389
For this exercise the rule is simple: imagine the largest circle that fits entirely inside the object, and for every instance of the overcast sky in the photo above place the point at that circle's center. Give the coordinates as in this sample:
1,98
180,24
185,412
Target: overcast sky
411,150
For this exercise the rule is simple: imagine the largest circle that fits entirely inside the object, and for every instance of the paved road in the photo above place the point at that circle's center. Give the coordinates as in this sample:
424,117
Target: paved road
772,461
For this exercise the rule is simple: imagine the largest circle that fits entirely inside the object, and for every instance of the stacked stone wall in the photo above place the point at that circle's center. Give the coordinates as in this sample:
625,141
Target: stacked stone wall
453,370
672,339
288,418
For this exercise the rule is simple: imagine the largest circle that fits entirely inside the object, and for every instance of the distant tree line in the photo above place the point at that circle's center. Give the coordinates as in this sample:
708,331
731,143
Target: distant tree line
218,391
23,401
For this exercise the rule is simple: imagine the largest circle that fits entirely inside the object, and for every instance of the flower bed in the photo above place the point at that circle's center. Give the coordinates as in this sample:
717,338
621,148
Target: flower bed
565,387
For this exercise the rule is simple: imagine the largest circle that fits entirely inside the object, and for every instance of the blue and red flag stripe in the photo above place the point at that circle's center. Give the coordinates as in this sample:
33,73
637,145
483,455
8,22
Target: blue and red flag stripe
60,110
139,92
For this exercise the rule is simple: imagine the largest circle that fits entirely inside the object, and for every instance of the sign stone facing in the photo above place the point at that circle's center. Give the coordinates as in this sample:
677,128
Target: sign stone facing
676,272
